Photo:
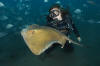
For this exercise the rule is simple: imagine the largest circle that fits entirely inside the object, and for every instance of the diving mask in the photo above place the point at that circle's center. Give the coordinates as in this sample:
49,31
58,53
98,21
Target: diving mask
54,13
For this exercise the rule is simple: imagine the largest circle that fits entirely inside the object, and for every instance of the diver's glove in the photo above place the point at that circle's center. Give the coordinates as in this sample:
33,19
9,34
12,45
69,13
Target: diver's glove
79,39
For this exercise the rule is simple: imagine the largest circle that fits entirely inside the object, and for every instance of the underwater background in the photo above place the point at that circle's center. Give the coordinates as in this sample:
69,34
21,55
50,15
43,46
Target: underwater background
16,14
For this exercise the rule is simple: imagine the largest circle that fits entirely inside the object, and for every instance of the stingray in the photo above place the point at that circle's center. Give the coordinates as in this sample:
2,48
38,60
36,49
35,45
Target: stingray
40,38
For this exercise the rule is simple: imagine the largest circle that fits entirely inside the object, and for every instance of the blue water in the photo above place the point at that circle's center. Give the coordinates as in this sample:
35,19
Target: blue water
20,13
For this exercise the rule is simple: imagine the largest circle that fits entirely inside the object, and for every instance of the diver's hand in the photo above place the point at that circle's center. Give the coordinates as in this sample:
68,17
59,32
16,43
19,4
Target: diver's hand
79,39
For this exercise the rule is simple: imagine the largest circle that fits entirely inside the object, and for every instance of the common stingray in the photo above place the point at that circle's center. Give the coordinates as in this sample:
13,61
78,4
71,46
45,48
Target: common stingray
40,38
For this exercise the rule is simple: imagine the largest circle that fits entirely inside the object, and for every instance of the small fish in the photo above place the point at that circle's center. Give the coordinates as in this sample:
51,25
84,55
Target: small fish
98,22
2,4
3,18
9,26
2,34
91,2
77,11
58,2
45,1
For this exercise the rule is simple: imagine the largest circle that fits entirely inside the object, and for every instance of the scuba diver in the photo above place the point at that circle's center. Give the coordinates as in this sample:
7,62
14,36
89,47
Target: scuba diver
60,19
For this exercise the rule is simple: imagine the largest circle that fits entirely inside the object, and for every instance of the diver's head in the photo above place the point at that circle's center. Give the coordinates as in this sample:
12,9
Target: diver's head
58,12
55,11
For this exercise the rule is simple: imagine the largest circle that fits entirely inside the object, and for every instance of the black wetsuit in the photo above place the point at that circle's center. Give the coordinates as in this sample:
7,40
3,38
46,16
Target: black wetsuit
65,24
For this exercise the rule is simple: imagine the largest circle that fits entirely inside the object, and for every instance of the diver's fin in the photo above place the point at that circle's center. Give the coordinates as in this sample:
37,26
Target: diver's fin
71,41
81,45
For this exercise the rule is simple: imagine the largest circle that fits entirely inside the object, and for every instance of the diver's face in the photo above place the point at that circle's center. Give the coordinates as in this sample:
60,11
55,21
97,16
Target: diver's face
54,12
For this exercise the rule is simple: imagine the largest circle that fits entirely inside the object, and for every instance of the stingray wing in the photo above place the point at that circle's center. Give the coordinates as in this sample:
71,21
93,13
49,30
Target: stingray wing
38,40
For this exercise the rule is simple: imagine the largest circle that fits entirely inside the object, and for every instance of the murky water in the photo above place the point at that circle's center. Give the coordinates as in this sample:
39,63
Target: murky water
16,14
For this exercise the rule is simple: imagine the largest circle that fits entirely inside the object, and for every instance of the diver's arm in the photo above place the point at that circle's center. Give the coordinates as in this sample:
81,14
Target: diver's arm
76,32
74,29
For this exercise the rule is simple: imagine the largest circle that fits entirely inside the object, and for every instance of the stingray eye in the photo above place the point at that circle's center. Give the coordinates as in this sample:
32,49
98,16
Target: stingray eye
31,31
